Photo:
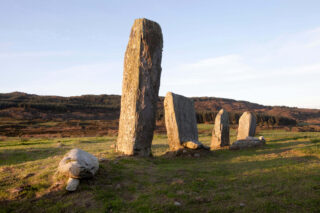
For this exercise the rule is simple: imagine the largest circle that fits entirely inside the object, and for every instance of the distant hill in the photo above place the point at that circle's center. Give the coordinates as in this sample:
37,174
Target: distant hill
311,116
111,103
28,114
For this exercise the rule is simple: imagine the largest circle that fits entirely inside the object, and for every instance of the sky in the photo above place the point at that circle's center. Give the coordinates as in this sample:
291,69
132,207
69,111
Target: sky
266,52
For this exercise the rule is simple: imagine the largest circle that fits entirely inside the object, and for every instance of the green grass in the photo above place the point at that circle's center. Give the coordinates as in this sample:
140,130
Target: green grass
283,176
49,123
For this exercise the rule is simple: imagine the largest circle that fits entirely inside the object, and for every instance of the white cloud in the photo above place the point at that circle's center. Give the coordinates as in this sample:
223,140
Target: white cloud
266,73
227,68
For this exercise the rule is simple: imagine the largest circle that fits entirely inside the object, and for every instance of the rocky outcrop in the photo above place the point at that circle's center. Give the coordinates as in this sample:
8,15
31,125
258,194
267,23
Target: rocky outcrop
140,87
220,132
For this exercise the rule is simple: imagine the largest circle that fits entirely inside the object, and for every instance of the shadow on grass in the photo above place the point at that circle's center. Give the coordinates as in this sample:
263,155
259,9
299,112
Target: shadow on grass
91,142
101,187
140,180
273,163
269,148
160,146
287,139
24,143
290,145
273,148
54,201
120,183
16,156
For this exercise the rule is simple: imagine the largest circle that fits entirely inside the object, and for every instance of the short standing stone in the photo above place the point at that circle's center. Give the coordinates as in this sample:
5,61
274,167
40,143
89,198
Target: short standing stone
220,132
140,88
247,125
181,123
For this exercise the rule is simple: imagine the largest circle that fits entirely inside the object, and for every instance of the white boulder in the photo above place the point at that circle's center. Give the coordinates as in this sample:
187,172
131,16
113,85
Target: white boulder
72,184
78,164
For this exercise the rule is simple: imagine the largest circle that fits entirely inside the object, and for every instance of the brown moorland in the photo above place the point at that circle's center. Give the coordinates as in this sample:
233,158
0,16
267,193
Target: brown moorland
28,115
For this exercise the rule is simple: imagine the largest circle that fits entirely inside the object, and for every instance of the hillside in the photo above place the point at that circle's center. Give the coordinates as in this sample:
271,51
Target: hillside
310,116
24,114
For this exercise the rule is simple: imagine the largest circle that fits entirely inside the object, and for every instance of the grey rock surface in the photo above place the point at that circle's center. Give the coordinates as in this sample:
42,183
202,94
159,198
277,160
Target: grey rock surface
247,125
220,132
192,144
249,142
140,88
181,123
72,184
261,138
176,203
78,164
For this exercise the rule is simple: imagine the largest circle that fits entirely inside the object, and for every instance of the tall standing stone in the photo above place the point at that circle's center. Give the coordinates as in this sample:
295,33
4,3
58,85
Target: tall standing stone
181,122
220,133
140,88
247,125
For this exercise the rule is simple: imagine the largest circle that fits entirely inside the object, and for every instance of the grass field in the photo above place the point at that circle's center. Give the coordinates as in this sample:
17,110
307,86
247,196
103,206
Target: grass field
283,176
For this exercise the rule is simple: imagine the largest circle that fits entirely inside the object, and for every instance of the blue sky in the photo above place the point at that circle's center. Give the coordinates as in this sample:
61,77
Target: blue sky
266,52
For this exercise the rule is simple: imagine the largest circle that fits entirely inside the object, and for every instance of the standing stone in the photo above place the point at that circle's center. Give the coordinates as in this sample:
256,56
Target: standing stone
181,122
247,125
140,88
220,133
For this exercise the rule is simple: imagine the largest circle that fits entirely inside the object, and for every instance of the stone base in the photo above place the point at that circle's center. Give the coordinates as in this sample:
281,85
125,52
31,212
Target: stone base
249,142
186,152
216,144
194,145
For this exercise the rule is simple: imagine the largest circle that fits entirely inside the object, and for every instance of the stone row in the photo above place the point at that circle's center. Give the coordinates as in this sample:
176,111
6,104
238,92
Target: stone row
140,94
140,88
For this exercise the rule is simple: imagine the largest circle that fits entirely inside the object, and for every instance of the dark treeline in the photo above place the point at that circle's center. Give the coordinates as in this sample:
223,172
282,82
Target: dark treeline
59,104
262,119
60,108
